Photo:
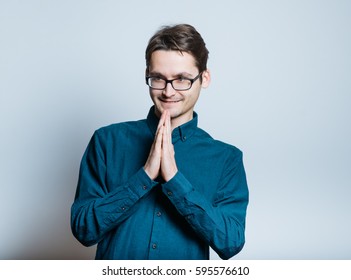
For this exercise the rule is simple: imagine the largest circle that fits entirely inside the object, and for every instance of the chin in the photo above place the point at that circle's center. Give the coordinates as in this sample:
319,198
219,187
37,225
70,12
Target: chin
174,112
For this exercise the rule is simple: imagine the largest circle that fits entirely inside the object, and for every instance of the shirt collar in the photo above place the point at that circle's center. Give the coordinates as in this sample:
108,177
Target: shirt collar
183,132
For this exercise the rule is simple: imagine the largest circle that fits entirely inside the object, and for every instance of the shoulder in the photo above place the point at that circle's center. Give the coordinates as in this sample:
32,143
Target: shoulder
122,132
228,149
120,128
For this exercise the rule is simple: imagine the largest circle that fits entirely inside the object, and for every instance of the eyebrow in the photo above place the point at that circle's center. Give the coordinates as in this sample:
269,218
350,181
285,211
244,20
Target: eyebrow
181,74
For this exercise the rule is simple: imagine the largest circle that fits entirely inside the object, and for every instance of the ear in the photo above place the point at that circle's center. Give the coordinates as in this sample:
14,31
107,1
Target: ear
206,78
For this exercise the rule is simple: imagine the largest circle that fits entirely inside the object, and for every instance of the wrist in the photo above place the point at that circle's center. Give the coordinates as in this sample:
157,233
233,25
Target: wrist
167,177
150,174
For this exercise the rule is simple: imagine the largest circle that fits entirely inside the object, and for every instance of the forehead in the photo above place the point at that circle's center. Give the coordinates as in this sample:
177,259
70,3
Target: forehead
170,62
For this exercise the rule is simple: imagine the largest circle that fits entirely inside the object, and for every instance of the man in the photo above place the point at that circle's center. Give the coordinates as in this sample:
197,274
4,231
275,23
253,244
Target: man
162,188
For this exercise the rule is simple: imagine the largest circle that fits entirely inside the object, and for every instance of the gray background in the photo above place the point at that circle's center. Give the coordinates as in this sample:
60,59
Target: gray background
281,92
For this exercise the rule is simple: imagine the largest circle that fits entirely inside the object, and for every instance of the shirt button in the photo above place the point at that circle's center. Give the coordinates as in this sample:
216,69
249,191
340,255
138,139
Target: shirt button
184,138
154,246
158,213
144,187
169,193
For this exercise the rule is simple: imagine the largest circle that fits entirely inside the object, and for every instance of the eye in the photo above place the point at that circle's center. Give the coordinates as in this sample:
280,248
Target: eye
182,79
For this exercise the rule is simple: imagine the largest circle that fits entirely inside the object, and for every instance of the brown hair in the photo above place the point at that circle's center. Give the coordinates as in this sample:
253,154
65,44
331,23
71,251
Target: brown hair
182,38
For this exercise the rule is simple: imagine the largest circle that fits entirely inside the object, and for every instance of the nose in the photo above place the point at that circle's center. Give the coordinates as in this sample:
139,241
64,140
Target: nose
169,90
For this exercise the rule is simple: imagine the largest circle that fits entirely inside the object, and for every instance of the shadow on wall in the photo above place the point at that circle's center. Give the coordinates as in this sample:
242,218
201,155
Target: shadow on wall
39,201
48,236
56,248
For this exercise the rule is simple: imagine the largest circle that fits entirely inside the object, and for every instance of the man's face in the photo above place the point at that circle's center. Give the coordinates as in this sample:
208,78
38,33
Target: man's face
171,65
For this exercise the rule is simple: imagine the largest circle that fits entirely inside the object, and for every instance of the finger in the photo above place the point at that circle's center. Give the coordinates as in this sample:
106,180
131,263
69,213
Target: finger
159,137
162,119
160,125
157,143
169,128
164,138
165,131
158,131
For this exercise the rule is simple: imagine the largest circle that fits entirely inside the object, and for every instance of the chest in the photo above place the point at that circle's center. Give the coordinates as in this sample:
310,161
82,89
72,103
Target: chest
201,165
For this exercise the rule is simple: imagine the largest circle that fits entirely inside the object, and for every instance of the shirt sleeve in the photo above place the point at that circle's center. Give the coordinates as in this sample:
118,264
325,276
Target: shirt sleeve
220,220
96,210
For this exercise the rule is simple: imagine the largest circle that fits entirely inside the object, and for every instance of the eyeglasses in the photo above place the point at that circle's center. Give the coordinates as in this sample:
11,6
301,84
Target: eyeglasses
178,83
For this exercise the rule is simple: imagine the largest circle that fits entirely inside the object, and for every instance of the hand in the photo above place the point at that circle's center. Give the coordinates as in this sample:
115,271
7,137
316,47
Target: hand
161,159
153,163
168,163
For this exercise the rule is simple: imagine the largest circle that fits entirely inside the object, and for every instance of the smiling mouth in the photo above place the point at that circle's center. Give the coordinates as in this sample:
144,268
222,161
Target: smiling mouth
169,101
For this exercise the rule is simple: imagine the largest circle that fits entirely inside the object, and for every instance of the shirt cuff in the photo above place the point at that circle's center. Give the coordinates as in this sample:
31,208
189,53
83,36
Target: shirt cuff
177,187
140,183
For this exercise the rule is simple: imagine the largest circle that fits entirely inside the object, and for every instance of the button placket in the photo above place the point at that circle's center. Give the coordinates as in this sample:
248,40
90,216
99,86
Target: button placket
157,230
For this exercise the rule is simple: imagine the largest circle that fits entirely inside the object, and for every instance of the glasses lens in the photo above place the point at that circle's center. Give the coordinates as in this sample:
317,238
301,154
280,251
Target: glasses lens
181,84
157,83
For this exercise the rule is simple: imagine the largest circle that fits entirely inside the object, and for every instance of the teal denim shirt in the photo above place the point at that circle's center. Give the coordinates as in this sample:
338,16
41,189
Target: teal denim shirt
131,216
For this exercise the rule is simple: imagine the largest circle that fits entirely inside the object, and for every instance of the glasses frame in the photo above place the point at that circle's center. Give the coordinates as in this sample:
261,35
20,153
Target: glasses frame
171,82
